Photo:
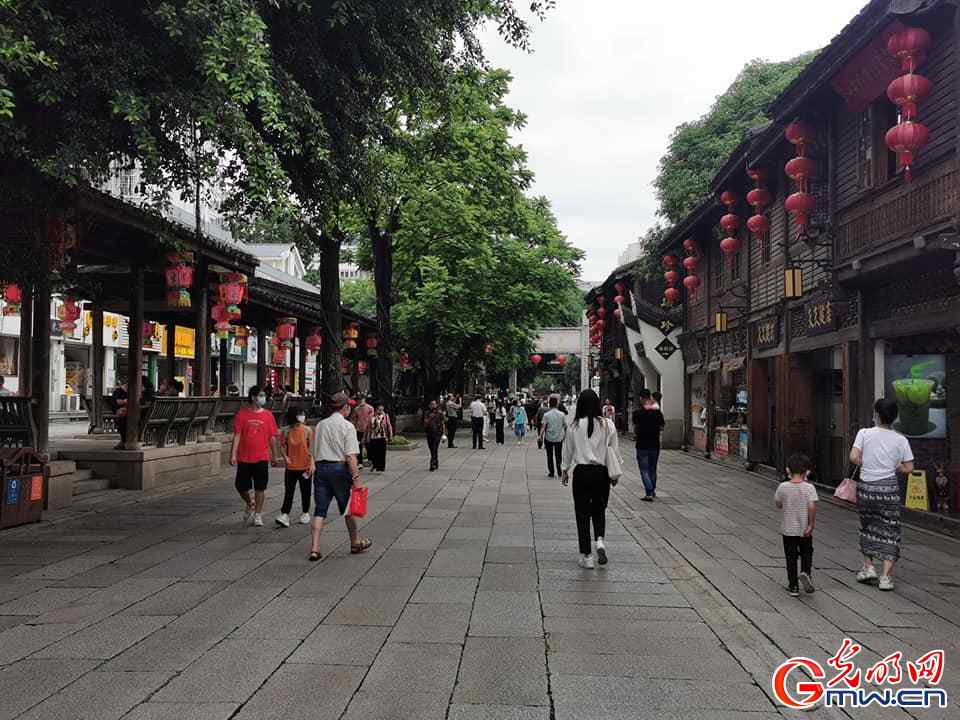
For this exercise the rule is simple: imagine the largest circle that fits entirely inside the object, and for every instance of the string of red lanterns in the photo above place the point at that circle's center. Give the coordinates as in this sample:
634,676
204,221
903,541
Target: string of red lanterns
800,169
691,263
759,198
178,277
908,137
314,341
671,295
730,223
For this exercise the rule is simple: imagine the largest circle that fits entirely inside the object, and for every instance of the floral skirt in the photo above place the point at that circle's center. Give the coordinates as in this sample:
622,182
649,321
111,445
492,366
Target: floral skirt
878,503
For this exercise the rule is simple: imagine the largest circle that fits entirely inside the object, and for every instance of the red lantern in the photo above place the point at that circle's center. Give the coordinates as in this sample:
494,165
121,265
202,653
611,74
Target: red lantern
231,292
619,287
728,198
908,90
221,317
800,134
178,278
286,329
691,282
910,47
12,297
672,277
691,263
314,341
601,312
759,226
730,245
619,300
801,169
906,139
730,222
535,359
800,204
672,295
669,261
757,174
690,246
758,198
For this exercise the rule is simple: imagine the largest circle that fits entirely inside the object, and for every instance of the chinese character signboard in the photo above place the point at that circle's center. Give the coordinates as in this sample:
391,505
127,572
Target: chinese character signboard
766,333
820,317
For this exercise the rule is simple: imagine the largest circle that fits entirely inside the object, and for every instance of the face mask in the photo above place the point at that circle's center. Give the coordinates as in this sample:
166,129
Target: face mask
301,418
261,400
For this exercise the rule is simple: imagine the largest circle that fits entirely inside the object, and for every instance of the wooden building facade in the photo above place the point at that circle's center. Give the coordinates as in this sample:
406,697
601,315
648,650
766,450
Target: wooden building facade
789,340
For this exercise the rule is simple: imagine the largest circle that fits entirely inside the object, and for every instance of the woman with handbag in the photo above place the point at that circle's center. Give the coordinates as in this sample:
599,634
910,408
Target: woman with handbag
590,448
880,452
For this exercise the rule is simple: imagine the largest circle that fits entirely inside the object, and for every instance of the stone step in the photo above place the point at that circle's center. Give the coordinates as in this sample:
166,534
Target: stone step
86,483
62,467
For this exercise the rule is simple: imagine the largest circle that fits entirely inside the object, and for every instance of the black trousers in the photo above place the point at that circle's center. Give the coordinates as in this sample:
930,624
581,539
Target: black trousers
794,548
499,426
591,491
377,452
360,444
476,425
433,442
291,478
554,450
451,430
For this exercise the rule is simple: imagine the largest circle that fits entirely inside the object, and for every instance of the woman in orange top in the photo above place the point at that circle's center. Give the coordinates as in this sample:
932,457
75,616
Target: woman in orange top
297,438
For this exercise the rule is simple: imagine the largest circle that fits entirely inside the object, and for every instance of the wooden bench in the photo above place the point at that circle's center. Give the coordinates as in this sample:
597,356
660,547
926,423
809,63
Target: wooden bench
177,419
225,412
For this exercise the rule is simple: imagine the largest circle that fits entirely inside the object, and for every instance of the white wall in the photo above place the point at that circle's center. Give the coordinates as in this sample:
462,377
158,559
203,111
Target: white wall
665,374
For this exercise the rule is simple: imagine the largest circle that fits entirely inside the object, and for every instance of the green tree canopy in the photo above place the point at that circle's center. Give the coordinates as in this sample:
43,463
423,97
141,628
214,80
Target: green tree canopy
359,296
698,149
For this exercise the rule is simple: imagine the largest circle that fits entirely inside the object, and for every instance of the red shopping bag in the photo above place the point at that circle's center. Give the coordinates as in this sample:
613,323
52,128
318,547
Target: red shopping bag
357,507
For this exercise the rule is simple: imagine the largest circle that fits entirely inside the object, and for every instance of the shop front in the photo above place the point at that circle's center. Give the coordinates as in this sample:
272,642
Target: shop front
727,394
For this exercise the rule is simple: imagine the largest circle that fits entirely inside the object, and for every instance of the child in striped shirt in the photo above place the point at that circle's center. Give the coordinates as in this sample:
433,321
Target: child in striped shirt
797,500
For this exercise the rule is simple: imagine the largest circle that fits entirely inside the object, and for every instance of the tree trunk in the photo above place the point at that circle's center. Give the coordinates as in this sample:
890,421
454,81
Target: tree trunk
330,299
383,283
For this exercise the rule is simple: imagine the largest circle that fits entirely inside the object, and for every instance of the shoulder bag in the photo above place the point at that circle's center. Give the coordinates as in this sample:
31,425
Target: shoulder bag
611,458
847,489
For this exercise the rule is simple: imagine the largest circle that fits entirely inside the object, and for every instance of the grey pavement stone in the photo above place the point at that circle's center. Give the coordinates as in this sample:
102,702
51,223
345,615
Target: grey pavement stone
304,692
229,672
28,682
445,590
167,649
603,694
498,712
106,639
515,576
464,561
98,696
631,644
370,606
23,640
510,555
341,645
385,574
397,706
608,573
419,539
626,599
227,569
502,671
585,661
499,613
182,711
433,623
468,533
105,575
619,612
285,617
157,553
229,608
43,600
399,557
413,668
627,628
176,599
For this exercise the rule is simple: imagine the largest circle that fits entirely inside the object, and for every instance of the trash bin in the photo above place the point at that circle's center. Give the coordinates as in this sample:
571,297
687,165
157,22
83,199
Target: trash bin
23,481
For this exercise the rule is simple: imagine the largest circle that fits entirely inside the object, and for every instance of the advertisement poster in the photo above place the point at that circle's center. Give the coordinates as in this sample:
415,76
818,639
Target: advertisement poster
918,384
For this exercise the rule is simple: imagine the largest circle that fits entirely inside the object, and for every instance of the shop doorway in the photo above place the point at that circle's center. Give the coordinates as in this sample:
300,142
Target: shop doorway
828,440
762,395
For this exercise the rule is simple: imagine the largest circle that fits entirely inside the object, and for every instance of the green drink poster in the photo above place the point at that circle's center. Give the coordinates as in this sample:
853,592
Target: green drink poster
918,384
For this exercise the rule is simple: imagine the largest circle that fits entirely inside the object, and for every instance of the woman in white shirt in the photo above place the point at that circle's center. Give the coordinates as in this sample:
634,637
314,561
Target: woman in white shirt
881,452
585,457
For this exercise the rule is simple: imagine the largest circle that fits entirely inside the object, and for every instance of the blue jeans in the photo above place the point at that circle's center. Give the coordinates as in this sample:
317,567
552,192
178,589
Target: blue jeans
331,481
647,462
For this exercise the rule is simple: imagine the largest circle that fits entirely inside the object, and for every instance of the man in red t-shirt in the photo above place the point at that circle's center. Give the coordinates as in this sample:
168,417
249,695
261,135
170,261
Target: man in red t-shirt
254,447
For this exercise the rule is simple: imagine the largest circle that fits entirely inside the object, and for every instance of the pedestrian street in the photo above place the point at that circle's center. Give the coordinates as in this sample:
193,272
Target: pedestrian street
469,606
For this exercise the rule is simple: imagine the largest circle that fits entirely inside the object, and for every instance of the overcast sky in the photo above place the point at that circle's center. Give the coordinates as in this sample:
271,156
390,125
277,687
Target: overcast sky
609,80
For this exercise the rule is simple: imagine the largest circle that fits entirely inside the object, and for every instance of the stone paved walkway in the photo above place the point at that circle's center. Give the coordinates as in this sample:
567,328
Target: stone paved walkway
469,606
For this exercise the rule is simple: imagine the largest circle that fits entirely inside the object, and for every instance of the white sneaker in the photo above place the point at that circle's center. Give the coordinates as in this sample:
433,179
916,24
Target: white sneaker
806,583
305,519
867,574
586,562
248,515
886,582
258,520
283,520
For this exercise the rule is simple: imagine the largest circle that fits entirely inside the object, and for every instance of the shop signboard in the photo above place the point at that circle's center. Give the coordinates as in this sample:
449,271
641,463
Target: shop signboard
766,333
917,491
919,385
184,342
820,317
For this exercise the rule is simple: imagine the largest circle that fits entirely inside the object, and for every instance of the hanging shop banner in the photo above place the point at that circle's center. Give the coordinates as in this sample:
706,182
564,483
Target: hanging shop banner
919,384
184,342
866,76
917,491
766,333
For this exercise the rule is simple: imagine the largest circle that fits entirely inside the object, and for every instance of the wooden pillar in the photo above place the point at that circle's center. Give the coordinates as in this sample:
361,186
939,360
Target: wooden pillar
201,351
26,341
171,351
261,355
302,351
758,414
40,367
134,360
222,367
98,361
